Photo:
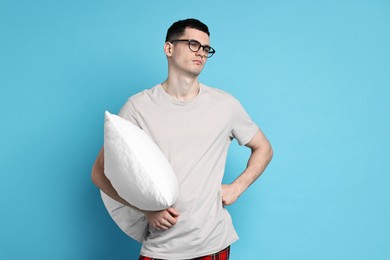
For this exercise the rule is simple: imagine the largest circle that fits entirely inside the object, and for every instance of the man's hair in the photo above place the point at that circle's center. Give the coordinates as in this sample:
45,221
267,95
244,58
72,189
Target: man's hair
177,29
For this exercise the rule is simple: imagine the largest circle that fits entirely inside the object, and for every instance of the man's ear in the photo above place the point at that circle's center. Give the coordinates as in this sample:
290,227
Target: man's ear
168,49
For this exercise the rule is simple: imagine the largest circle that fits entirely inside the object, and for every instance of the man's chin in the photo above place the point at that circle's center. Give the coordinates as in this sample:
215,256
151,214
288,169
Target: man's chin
196,72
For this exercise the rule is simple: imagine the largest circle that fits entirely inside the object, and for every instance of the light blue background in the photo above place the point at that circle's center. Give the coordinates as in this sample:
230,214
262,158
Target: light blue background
315,75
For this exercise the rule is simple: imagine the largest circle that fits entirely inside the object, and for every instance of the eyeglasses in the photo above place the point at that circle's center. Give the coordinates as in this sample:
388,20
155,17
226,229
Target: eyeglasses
195,46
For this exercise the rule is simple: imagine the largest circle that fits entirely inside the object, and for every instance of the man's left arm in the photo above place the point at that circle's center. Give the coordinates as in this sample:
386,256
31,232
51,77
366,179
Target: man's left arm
261,155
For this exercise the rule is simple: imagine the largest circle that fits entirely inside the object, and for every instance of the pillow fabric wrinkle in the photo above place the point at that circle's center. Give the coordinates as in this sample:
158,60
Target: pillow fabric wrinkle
131,221
138,171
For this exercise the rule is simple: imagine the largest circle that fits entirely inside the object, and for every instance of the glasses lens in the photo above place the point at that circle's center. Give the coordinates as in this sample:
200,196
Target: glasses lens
194,45
210,52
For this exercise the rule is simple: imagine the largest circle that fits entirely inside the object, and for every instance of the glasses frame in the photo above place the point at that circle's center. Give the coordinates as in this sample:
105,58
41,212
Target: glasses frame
209,54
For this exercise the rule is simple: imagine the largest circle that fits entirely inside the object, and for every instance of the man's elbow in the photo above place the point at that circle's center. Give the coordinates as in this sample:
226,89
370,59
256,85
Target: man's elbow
267,151
97,173
94,176
270,152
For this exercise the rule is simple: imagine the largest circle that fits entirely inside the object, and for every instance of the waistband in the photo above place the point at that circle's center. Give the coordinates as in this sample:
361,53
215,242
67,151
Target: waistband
221,255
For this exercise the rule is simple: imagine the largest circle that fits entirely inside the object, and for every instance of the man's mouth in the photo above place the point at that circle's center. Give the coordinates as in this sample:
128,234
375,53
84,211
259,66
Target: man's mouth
199,62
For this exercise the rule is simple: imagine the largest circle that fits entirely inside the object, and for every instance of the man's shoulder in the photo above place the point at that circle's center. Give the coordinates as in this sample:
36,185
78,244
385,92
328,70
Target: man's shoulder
219,94
143,95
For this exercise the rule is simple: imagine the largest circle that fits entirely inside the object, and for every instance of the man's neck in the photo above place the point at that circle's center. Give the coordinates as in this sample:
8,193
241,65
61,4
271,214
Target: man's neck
181,88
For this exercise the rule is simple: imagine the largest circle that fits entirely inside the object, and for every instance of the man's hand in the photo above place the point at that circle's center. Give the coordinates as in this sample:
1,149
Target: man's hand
163,219
230,194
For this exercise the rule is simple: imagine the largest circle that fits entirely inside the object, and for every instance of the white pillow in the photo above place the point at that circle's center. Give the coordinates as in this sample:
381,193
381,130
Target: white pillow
129,220
139,172
136,167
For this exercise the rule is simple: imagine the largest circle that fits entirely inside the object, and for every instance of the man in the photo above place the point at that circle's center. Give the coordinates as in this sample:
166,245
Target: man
193,125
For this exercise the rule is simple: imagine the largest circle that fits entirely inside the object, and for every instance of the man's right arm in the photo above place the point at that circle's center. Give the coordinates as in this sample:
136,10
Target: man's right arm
162,219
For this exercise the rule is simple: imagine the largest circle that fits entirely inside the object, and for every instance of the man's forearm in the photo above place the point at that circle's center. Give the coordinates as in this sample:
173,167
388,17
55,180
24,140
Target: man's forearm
258,161
261,155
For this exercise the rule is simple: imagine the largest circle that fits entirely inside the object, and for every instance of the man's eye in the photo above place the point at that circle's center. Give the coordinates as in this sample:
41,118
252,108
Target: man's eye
194,44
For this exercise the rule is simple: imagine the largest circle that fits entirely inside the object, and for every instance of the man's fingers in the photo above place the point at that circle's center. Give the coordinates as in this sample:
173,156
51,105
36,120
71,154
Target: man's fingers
166,220
163,224
166,224
162,227
162,220
171,219
173,212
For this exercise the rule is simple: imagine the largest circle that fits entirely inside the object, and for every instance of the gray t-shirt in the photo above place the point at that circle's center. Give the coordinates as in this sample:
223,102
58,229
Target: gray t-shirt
195,136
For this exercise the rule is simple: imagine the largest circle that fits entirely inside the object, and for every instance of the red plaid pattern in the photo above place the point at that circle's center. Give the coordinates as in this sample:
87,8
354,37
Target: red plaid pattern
221,255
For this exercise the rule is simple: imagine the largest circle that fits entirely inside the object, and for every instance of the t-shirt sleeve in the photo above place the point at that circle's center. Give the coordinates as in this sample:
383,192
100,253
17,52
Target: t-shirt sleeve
243,128
128,112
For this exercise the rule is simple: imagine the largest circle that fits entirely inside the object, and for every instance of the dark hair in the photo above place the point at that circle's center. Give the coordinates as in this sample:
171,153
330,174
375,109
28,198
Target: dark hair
177,29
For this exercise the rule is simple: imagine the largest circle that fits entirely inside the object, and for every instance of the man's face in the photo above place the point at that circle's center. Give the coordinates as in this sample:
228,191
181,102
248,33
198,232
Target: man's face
185,60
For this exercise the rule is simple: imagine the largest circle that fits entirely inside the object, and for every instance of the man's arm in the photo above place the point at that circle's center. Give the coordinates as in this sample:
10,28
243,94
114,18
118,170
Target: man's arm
162,219
261,155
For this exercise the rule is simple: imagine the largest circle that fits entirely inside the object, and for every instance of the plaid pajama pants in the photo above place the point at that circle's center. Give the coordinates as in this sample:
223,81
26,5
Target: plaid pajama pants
221,255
